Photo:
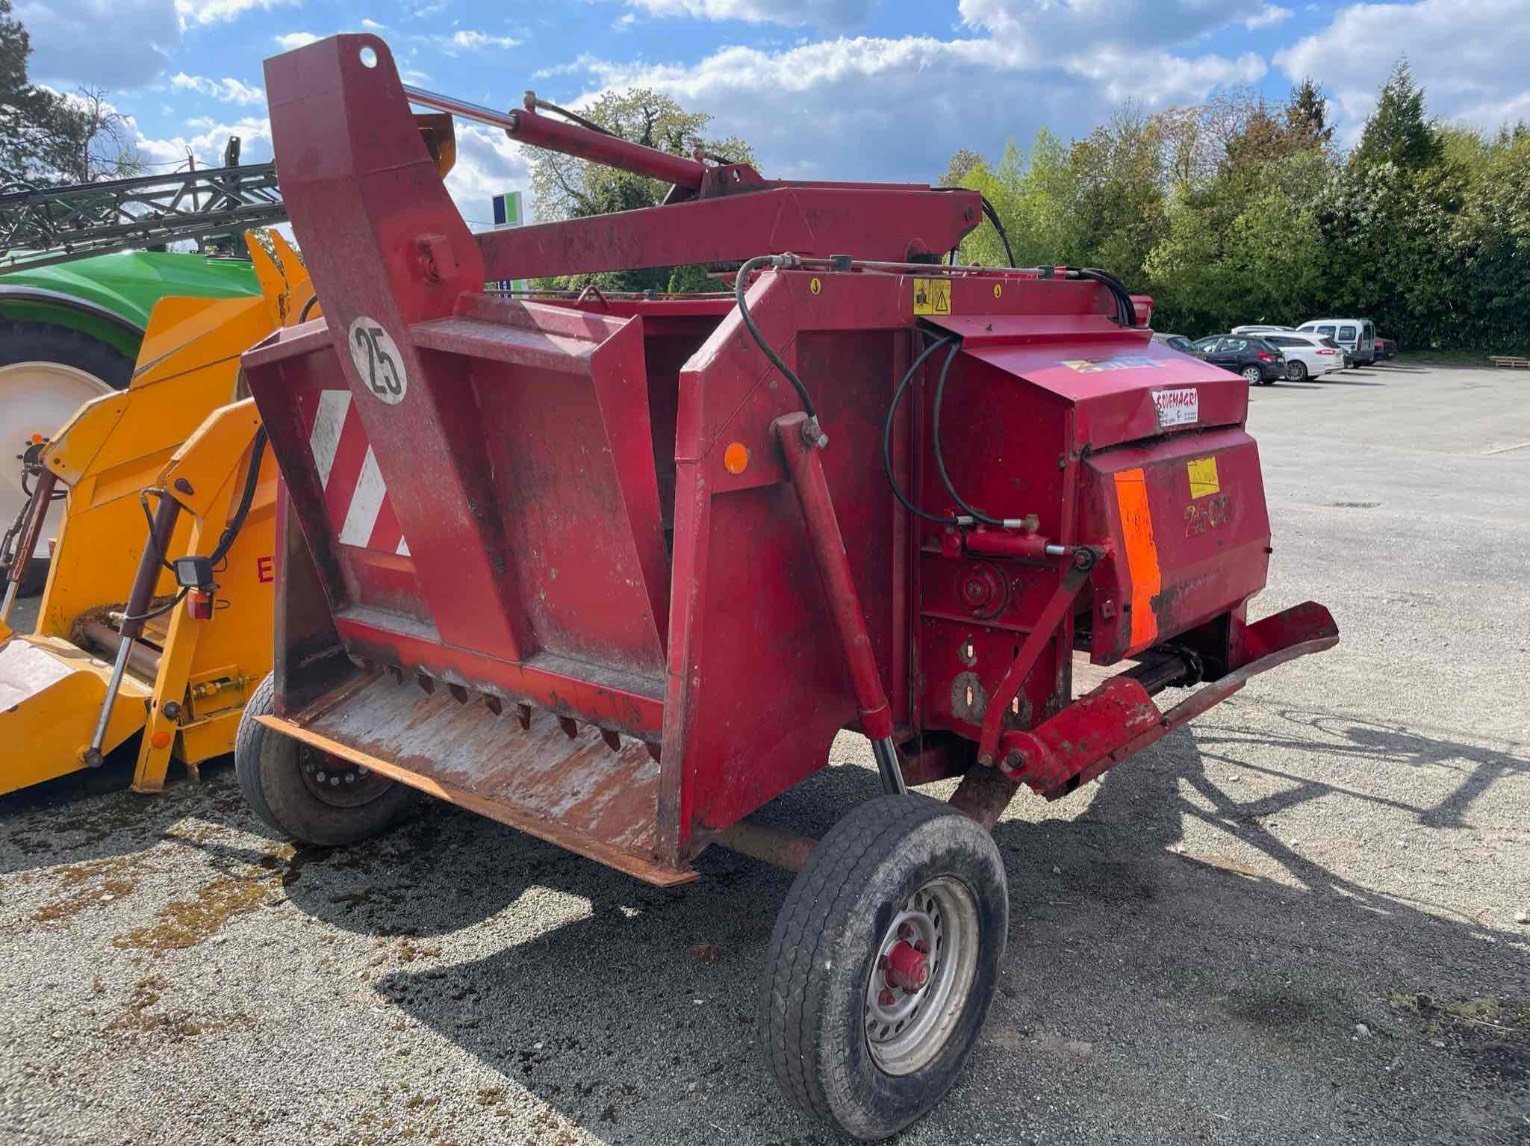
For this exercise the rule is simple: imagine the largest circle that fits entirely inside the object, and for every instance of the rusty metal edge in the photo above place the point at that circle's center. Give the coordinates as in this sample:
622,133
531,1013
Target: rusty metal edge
544,829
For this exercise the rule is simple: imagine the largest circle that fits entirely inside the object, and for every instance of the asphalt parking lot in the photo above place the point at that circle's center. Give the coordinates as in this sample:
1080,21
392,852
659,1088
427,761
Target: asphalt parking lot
1301,920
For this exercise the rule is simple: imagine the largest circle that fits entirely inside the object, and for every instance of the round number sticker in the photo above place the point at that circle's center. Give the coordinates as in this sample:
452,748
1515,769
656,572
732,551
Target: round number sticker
378,361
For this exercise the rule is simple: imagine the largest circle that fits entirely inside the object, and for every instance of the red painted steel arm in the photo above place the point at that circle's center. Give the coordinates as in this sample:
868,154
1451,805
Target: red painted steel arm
1045,628
572,139
834,567
1119,718
893,224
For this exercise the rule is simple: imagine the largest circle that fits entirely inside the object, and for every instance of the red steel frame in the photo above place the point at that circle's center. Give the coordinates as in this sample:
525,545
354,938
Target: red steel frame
613,514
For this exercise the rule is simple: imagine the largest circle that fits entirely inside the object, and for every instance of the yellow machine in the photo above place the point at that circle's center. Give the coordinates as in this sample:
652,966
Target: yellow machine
178,441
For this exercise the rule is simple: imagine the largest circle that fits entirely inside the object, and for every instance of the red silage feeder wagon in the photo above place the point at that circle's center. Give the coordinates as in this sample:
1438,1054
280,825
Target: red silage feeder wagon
616,570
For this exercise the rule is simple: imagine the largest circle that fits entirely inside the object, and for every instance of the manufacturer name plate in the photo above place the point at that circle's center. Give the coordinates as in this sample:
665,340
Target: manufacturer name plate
1177,407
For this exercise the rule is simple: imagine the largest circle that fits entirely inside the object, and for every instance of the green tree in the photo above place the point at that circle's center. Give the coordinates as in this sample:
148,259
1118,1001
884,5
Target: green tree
1491,236
1398,131
1307,116
565,187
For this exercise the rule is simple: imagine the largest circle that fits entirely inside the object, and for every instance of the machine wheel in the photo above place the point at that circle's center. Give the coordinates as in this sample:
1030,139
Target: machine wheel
308,795
46,373
883,963
1296,371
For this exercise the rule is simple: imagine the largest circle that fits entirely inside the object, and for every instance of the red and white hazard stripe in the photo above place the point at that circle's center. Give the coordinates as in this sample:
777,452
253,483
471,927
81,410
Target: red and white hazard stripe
354,494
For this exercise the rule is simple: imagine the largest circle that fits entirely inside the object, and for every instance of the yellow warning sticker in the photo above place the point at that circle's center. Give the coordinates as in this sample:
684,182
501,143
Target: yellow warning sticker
1203,477
932,296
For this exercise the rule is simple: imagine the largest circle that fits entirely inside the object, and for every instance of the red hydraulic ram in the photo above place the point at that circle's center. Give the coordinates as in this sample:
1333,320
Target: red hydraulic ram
616,570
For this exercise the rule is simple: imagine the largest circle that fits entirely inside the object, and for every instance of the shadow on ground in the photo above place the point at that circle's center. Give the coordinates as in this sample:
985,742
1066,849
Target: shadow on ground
1150,993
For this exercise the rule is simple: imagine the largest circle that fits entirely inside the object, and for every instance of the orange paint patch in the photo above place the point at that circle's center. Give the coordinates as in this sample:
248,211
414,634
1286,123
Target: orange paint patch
1141,553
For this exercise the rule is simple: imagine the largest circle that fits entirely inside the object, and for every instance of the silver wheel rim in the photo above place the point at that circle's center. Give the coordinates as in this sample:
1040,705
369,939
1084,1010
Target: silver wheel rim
36,398
1251,375
906,1028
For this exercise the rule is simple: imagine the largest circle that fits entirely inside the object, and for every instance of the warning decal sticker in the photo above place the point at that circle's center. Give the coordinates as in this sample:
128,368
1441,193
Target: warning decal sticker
1203,477
1177,407
932,296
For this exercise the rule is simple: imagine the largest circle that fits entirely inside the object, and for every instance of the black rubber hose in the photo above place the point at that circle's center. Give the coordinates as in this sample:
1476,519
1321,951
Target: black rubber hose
740,283
940,458
993,217
246,498
1126,310
308,306
236,523
887,428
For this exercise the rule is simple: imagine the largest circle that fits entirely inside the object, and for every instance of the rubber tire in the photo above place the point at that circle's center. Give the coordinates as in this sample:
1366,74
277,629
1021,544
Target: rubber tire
1256,380
1296,371
45,342
826,937
266,766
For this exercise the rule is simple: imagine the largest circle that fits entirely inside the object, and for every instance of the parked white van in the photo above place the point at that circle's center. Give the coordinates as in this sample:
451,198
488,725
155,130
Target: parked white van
1356,335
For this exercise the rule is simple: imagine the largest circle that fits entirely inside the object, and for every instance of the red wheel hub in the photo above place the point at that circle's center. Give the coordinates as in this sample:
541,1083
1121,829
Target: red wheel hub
907,967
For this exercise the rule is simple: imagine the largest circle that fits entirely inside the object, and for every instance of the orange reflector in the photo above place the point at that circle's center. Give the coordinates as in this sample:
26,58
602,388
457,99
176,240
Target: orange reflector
160,739
736,458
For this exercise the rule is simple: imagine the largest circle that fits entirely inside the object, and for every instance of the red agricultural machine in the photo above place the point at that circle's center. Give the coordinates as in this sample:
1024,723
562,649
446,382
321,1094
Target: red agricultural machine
616,570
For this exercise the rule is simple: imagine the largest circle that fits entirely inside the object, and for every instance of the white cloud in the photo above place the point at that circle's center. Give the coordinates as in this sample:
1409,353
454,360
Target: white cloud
287,41
226,90
823,13
868,108
205,138
194,12
471,40
1267,17
1468,55
488,164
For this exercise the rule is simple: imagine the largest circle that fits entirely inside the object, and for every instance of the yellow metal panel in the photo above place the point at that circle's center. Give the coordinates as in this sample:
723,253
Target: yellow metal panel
179,419
51,693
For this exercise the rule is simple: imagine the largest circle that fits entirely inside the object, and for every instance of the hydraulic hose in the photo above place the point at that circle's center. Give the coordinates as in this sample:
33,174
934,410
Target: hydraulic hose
993,217
230,532
887,427
940,453
1126,310
740,283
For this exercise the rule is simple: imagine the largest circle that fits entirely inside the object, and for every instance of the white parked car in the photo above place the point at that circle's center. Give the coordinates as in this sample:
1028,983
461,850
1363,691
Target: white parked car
1355,335
1307,355
1260,329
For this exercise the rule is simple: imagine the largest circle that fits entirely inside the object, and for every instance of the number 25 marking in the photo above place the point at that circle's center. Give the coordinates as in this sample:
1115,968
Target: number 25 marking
370,338
377,360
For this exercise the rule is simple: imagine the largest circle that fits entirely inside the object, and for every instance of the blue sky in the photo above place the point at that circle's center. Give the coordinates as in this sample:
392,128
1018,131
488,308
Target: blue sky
851,89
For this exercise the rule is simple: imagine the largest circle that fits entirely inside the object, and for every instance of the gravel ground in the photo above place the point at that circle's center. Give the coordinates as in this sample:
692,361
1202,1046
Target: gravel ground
1301,920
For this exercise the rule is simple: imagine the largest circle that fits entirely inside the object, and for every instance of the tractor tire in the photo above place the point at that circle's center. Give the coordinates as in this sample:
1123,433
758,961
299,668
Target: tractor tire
46,373
307,795
846,1042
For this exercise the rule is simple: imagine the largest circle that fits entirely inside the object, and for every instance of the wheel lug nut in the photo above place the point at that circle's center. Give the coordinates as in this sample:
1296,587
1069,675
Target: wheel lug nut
905,931
886,998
